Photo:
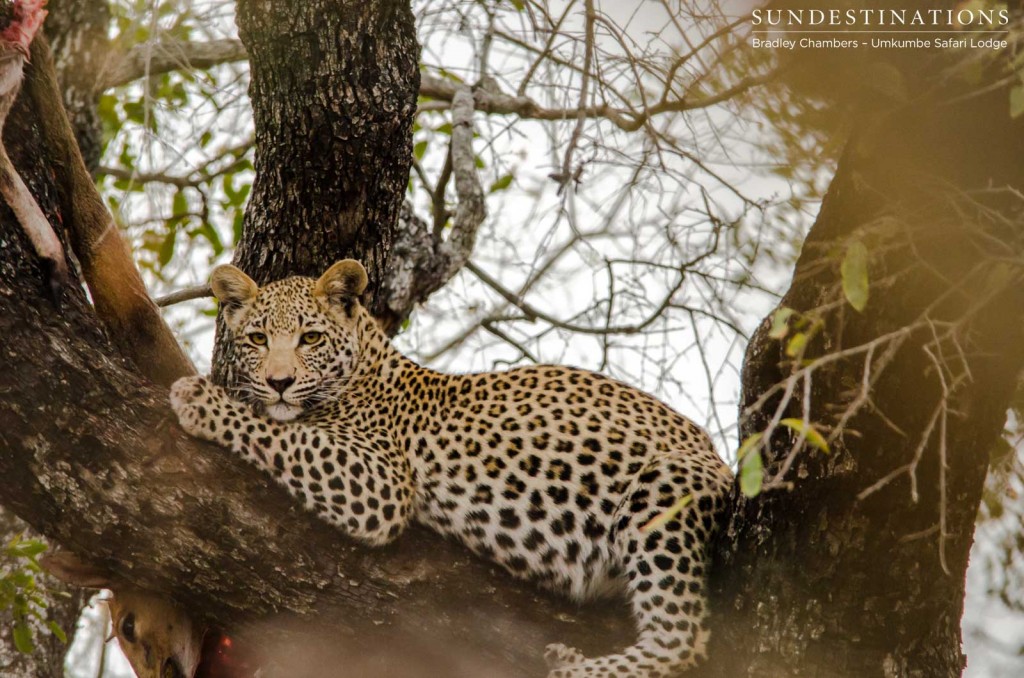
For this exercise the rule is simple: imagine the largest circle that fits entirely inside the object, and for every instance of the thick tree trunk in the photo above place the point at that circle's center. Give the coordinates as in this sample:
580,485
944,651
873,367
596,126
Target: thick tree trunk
77,30
333,90
832,576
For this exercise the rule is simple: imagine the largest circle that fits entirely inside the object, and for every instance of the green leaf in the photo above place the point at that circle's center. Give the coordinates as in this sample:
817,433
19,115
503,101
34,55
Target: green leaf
810,433
780,322
135,110
28,549
127,158
668,514
22,579
419,149
1017,101
210,233
242,194
855,275
56,630
178,94
448,75
109,116
748,444
236,197
751,467
180,204
22,634
236,227
501,184
796,345
167,247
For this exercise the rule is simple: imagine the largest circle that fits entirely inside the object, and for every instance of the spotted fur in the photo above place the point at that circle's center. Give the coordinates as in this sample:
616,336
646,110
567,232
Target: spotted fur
549,471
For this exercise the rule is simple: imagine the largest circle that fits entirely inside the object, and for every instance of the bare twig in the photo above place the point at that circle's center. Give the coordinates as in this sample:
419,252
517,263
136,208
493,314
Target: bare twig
439,207
544,52
568,172
533,313
193,179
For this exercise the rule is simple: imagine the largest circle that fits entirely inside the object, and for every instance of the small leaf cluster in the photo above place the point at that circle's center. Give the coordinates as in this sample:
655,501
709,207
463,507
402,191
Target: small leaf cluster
22,594
797,328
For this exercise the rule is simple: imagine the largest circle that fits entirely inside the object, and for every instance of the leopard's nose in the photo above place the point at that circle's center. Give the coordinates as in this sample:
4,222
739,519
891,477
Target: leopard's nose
281,385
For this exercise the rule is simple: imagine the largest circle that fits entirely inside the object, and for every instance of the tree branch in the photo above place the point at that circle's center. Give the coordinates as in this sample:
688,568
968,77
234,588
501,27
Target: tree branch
163,57
471,209
421,261
193,179
155,58
188,294
117,289
489,102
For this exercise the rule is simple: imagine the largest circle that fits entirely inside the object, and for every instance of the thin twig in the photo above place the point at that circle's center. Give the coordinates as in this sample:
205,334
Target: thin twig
588,59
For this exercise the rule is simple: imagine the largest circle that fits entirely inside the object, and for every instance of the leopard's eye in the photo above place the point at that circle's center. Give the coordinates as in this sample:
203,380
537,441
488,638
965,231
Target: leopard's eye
258,339
310,338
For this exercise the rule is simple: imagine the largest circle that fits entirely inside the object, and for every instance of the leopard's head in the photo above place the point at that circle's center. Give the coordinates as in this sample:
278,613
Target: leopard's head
296,341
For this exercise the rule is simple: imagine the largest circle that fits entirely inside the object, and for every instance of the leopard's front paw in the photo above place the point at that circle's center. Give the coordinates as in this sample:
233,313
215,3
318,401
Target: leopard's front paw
190,400
559,656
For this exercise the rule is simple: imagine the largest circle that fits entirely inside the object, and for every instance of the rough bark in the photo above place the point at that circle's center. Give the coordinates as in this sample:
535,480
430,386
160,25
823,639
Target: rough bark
78,30
828,578
333,90
121,484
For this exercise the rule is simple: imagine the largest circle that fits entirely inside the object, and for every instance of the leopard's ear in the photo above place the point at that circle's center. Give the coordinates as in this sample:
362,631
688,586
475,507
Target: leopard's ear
235,290
342,284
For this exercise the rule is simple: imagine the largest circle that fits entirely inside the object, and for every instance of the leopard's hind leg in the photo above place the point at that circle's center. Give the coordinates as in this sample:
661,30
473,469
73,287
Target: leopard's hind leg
665,565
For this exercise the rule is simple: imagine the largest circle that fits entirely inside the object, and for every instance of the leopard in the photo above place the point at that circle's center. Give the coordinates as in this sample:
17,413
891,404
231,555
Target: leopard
578,482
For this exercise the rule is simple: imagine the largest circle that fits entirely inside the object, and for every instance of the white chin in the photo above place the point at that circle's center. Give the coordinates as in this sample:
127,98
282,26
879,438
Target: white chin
283,411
